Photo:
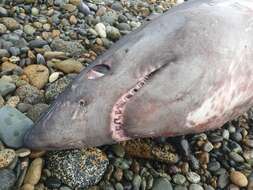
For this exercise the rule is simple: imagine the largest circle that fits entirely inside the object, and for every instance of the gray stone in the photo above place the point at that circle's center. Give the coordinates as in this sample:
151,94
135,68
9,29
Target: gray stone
29,94
179,179
162,183
124,26
78,168
74,48
193,177
113,33
14,125
14,51
136,182
36,111
54,89
223,180
3,11
3,29
6,87
7,179
195,187
38,43
4,53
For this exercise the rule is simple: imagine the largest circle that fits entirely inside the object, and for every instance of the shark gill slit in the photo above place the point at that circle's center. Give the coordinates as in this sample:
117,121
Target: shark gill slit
117,114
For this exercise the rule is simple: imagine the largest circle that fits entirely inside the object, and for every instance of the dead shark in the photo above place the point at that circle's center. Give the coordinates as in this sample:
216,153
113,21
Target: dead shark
187,71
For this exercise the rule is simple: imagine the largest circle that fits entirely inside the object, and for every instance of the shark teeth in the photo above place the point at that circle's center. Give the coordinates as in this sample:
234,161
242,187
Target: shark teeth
117,115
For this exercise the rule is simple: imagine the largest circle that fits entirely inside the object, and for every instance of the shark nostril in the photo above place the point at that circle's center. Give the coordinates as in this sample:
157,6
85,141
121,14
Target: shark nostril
83,102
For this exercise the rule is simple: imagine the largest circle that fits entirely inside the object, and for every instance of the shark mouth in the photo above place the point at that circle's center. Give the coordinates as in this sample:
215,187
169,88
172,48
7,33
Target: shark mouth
117,115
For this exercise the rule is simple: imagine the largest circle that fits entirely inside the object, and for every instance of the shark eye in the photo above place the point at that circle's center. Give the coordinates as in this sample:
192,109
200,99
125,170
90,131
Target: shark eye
98,71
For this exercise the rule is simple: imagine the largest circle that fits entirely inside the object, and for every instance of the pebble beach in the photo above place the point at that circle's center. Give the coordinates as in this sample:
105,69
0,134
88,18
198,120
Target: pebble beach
44,44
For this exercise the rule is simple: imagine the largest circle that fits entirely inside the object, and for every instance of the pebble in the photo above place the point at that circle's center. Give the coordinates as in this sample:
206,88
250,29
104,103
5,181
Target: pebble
53,182
13,101
7,156
112,33
179,179
118,150
162,183
14,125
10,23
34,172
136,182
69,66
38,43
28,29
195,187
54,76
54,89
78,168
4,53
23,152
3,12
238,178
193,177
54,54
7,179
3,29
35,111
6,87
37,74
29,94
101,30
27,187
223,180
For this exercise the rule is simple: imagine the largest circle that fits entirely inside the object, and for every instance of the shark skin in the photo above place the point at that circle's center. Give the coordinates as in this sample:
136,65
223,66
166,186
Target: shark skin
187,71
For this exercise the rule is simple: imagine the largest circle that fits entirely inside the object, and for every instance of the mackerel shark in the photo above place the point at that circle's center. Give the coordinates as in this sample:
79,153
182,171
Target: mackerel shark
187,71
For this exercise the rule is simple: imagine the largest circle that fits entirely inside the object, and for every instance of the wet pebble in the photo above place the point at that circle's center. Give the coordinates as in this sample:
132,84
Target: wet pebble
238,178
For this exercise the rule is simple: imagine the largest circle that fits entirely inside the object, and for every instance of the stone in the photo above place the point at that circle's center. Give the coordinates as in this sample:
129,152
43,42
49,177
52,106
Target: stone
238,178
3,29
54,55
54,89
147,149
69,66
118,150
162,183
195,187
3,11
4,53
37,43
136,182
13,101
6,87
23,152
34,172
37,74
8,66
6,157
28,29
29,94
74,48
101,30
7,179
27,187
14,125
35,111
54,76
10,23
78,168
179,179
53,182
112,33
193,177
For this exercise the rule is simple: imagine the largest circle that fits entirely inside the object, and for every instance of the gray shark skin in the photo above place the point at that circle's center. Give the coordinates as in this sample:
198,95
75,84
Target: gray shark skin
187,71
